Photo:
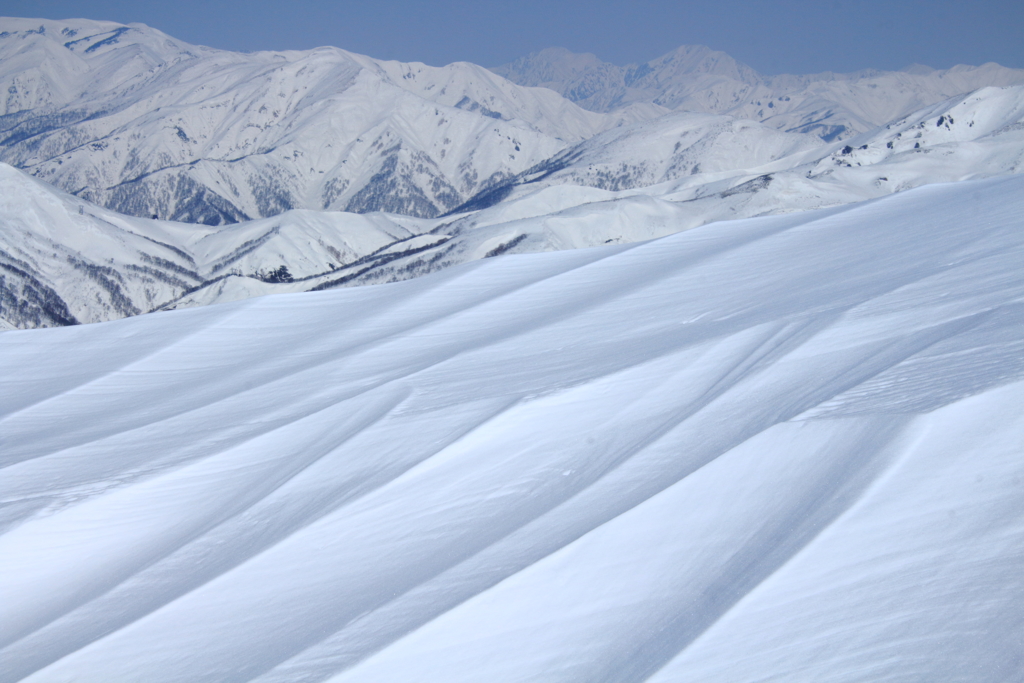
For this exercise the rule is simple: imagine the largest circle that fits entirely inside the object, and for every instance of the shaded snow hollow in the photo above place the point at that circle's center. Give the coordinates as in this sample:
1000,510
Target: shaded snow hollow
776,449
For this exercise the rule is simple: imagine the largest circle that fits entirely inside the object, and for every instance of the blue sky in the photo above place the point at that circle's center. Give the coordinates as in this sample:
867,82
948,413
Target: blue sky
780,36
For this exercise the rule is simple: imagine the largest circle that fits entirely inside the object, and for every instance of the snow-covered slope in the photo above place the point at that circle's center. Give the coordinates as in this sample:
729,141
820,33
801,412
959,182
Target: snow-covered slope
695,78
784,448
139,122
976,136
652,152
669,147
726,162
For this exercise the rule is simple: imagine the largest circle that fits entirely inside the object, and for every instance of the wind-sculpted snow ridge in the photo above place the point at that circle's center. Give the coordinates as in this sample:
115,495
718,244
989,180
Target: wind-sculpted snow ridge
696,78
136,121
776,449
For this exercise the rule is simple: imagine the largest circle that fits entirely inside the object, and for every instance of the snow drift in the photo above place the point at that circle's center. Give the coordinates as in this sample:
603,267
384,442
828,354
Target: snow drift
782,448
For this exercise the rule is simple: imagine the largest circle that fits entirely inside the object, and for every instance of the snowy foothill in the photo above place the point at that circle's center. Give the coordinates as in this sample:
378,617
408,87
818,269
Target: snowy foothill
774,449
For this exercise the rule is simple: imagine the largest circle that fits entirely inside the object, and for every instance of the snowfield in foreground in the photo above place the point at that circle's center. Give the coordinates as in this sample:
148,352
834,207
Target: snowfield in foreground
778,449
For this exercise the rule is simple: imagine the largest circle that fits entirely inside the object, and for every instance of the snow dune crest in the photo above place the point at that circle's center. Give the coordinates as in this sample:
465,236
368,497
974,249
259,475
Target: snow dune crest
776,448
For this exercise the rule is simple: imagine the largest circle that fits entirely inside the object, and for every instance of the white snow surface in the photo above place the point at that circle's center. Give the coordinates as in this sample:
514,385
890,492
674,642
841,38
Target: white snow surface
784,448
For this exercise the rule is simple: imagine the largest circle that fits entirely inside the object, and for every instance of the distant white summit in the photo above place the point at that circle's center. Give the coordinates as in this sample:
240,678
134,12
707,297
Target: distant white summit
696,78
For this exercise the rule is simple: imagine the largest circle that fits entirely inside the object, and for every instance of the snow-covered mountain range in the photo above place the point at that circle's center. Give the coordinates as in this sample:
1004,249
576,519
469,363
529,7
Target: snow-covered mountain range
696,78
139,122
691,156
784,448
137,127
63,259
147,125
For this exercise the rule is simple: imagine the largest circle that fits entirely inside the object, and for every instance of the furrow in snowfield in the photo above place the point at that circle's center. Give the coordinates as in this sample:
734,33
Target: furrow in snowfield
912,568
263,515
64,372
195,390
593,495
239,481
620,464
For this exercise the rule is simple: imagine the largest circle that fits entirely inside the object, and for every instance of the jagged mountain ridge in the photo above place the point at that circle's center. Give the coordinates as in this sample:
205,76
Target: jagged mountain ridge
696,78
147,125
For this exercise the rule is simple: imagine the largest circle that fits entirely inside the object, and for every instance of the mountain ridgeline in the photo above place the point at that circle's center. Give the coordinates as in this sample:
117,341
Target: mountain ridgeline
695,78
136,121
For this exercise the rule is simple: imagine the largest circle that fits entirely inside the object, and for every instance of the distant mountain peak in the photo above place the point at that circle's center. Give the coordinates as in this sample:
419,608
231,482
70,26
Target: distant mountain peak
552,64
698,78
917,69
